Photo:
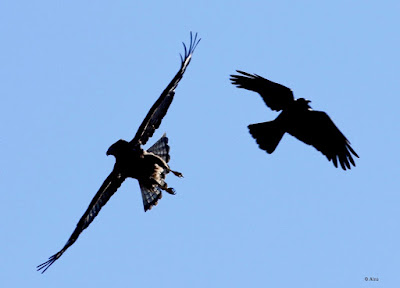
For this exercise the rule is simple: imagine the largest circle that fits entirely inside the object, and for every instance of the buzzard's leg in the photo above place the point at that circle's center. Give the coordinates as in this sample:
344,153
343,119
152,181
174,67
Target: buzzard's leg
163,186
179,174
167,189
160,162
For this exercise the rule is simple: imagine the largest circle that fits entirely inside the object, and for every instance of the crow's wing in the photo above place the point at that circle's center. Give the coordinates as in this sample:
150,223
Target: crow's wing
276,96
159,109
109,187
317,129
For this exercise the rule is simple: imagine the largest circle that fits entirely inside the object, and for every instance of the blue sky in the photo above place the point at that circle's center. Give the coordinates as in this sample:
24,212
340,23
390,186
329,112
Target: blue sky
78,75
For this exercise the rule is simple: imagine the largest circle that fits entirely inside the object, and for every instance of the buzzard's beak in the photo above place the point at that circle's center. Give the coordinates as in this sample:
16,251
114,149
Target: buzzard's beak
109,151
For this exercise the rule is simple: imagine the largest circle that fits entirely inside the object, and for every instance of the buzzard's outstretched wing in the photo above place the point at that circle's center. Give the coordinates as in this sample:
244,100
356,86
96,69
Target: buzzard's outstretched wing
109,187
276,96
317,129
159,109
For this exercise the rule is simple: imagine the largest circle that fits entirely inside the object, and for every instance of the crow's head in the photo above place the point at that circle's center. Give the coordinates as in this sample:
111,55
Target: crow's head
303,103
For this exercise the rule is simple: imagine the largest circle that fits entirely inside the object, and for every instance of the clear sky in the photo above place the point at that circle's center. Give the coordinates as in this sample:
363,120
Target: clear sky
75,76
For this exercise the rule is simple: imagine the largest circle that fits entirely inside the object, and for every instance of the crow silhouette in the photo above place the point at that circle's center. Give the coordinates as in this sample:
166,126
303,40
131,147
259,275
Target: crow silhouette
297,118
148,167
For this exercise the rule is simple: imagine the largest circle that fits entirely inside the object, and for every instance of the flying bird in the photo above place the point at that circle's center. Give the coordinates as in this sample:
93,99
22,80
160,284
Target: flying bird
149,167
314,128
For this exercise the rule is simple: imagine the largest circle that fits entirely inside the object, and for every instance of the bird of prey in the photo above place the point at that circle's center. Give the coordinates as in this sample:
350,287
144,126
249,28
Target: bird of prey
148,167
297,118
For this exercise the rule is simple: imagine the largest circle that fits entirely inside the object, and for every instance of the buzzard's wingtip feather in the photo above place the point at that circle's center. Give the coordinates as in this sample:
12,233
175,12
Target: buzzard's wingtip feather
44,266
184,46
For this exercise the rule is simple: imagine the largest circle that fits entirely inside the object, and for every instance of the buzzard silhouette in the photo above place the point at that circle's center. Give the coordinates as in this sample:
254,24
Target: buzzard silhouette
297,118
148,167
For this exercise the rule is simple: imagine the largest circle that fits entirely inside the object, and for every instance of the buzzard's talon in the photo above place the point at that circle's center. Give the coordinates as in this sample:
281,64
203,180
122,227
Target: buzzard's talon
170,191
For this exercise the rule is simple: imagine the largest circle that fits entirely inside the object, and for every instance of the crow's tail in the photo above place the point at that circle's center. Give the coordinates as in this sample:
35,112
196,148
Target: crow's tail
267,134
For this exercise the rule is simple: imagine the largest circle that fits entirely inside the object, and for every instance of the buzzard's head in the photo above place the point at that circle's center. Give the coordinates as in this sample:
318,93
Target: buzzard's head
117,148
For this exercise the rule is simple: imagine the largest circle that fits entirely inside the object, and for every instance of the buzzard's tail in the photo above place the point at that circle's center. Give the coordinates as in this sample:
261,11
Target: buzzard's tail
161,148
151,189
267,134
150,195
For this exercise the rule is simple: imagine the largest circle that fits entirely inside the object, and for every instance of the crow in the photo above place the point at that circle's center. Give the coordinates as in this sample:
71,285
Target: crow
148,167
297,118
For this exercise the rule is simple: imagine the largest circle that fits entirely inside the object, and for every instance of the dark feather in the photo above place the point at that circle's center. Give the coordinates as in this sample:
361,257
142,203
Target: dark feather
276,96
109,187
316,128
160,107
